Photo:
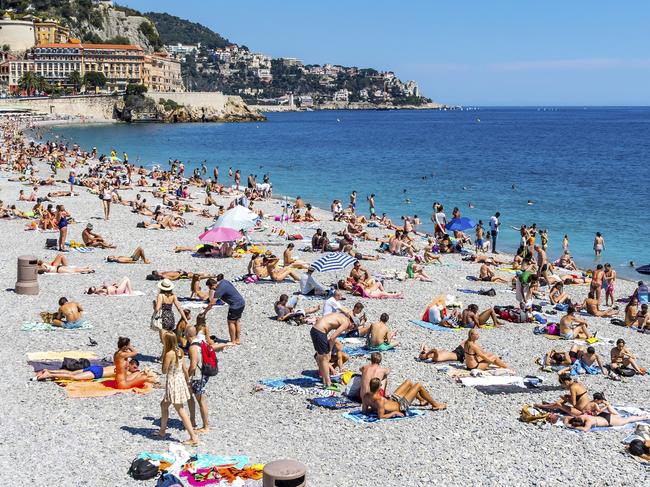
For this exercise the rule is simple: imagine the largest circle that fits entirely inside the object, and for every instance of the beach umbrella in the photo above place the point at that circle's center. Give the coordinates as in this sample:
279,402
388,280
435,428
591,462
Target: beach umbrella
220,234
333,261
239,218
460,224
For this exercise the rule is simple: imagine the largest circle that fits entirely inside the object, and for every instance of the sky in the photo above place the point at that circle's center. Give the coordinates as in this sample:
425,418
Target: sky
461,52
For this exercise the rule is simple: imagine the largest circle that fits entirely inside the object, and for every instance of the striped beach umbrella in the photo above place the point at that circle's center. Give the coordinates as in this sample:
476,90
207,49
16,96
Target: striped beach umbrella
333,261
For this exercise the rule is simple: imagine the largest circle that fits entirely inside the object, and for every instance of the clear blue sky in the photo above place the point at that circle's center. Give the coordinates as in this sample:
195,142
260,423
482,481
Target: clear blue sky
481,52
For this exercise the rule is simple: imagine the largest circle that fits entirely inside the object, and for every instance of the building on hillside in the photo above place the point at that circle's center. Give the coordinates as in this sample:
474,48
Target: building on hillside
412,88
121,64
182,50
50,32
291,61
17,34
162,73
342,95
306,101
264,74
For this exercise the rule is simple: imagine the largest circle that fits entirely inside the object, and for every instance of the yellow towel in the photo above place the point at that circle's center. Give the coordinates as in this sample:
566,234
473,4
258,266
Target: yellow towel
76,354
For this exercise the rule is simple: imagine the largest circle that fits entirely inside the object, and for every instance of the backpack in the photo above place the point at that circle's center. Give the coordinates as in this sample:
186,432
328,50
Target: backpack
73,364
168,480
142,469
625,371
209,362
535,416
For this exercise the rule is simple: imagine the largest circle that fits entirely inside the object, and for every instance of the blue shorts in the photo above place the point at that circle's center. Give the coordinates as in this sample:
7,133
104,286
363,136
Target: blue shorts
97,370
198,385
71,325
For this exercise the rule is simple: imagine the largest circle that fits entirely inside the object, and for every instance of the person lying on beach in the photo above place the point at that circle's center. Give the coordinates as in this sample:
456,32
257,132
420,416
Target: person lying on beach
174,275
60,266
93,372
121,358
566,262
575,403
400,401
476,357
621,356
487,275
68,315
368,289
438,355
290,261
136,256
593,308
585,422
471,318
416,271
276,274
572,327
588,362
92,239
121,288
640,448
291,308
484,259
378,335
559,357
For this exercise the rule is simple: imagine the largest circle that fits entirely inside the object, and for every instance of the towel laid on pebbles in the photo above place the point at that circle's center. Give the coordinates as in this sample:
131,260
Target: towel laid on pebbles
624,411
101,388
40,326
134,293
358,417
430,326
334,402
357,351
39,365
41,356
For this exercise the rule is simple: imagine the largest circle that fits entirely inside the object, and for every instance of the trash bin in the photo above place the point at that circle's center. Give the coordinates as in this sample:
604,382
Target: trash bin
27,279
284,473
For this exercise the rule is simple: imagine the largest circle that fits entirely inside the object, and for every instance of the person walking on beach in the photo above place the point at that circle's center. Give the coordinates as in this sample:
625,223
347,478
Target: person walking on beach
610,281
224,290
440,221
165,302
177,392
494,230
106,195
599,244
371,205
198,382
353,200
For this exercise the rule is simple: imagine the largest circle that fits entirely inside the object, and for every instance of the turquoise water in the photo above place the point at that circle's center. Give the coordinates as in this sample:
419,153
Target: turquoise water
586,170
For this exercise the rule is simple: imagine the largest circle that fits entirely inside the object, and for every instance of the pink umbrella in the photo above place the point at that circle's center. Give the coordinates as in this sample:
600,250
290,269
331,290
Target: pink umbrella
220,234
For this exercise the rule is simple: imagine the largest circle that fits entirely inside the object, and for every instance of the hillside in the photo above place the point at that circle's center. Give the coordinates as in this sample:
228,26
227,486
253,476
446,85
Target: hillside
174,30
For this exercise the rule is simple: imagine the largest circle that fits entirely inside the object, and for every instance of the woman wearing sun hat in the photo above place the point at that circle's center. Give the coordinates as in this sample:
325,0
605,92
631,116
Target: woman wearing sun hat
165,301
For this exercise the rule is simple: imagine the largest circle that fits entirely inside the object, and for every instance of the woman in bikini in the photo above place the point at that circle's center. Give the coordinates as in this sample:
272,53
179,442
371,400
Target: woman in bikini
476,357
121,358
60,266
195,289
279,275
290,261
121,288
575,403
631,311
62,218
437,355
585,422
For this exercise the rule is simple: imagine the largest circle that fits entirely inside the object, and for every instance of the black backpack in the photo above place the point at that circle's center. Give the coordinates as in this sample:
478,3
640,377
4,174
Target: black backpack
73,364
142,469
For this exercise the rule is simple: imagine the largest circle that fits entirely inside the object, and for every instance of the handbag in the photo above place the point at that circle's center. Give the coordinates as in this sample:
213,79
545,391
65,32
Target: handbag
156,321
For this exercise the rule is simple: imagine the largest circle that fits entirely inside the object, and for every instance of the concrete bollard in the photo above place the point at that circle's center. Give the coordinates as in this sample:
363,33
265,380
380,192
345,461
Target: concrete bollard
284,473
27,277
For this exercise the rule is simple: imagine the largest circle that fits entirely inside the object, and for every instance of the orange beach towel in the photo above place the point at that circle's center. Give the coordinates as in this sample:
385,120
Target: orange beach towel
100,388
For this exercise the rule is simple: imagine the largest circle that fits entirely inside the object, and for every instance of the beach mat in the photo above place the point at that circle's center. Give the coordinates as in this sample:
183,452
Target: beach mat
358,417
430,326
40,326
76,354
360,351
334,402
101,388
304,382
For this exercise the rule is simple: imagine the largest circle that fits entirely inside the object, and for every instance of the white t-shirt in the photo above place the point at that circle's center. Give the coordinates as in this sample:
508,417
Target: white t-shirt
441,218
494,224
331,306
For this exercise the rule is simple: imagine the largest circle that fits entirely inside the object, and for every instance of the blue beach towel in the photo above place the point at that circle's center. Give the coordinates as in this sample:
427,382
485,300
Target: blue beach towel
360,418
430,326
39,326
334,402
305,382
359,351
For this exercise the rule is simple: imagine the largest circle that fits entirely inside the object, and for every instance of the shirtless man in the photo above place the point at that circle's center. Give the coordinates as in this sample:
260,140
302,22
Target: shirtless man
621,356
337,323
592,307
379,337
542,260
487,275
610,279
588,362
597,281
122,358
138,254
93,372
483,259
471,318
400,401
572,327
374,370
69,314
91,239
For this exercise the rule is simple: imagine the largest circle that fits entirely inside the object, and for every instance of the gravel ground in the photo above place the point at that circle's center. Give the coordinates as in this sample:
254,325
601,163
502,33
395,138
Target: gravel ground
478,440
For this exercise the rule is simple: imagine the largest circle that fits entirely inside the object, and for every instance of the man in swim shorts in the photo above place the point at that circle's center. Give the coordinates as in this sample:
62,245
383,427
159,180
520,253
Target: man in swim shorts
93,372
400,401
338,323
69,315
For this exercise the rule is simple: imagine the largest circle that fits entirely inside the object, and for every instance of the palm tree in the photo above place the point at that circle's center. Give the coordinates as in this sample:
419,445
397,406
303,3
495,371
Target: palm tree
31,82
75,80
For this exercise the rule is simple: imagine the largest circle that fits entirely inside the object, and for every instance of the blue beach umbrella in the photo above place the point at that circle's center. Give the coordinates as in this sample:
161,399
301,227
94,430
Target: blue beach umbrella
333,261
460,224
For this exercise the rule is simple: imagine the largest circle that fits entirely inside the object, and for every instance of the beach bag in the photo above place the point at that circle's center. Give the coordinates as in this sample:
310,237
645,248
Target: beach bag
51,243
209,362
156,321
625,371
552,329
487,292
73,364
142,469
530,415
168,480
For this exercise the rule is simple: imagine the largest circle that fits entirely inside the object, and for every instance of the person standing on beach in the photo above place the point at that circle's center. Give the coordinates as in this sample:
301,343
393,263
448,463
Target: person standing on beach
353,200
224,290
371,205
197,381
610,279
597,281
62,218
237,179
215,173
323,344
599,244
479,232
440,221
565,243
494,230
106,195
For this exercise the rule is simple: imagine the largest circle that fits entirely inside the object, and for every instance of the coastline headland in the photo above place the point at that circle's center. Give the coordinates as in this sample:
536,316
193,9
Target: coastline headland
184,107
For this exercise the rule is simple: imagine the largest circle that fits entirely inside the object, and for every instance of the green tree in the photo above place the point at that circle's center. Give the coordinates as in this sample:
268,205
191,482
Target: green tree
75,80
93,79
6,48
135,89
32,82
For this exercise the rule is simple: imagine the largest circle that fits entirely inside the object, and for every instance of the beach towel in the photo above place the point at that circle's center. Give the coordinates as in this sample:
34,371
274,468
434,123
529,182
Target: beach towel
363,350
196,304
134,293
39,365
358,417
430,326
492,381
39,326
101,388
203,460
303,381
579,367
77,354
334,402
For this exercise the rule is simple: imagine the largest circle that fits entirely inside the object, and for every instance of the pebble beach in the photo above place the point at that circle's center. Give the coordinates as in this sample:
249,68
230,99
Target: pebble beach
50,439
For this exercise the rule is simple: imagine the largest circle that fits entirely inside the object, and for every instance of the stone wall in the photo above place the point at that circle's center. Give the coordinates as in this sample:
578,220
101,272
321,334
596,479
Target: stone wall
98,107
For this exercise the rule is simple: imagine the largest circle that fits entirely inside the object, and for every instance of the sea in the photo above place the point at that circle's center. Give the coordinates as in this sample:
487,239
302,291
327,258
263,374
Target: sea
574,171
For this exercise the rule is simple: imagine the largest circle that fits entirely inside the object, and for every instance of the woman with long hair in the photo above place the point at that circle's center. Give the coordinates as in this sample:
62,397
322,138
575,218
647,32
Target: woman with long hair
62,218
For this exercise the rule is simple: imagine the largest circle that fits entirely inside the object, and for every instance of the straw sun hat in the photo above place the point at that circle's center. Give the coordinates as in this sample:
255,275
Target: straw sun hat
165,285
